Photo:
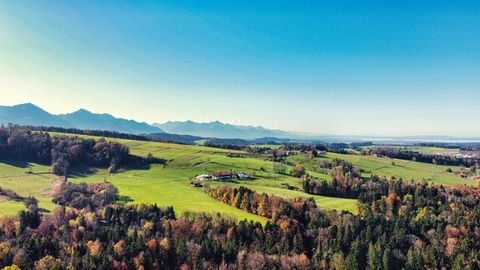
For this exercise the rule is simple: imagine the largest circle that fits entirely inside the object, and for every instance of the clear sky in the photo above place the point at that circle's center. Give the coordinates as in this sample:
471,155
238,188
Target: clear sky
325,67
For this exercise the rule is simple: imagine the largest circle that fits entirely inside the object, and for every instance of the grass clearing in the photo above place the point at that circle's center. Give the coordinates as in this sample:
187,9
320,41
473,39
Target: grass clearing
164,188
10,208
426,150
13,176
404,169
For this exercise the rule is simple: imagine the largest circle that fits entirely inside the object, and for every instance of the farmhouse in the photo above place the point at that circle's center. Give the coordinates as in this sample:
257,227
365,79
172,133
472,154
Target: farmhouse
202,177
282,152
223,175
243,176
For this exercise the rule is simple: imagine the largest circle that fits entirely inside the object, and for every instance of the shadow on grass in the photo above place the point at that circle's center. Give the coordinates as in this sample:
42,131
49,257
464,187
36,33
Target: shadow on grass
376,169
123,199
234,181
82,170
43,210
145,167
16,163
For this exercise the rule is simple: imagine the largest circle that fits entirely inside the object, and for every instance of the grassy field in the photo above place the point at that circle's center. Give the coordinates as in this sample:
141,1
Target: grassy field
10,208
272,146
422,149
165,188
433,150
13,176
168,184
404,169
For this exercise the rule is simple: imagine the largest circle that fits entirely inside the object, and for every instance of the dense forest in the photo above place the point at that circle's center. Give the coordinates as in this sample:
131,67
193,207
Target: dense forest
64,152
414,226
431,227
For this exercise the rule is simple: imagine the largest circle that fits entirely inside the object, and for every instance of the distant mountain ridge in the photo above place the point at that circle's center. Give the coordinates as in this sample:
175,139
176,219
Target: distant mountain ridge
189,131
218,129
84,119
30,114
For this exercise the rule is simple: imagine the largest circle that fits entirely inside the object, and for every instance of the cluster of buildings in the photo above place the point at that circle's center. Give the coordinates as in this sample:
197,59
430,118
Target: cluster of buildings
200,179
222,176
468,154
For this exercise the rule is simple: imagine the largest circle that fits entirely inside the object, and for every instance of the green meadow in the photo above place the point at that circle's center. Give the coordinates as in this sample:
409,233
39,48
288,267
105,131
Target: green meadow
10,208
167,184
407,170
15,176
426,150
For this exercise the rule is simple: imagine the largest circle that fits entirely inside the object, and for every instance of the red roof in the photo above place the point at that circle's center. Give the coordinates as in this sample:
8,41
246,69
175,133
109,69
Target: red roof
222,174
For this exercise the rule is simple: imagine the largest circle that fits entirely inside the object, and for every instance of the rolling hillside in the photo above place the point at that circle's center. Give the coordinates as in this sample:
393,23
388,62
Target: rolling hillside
407,170
167,184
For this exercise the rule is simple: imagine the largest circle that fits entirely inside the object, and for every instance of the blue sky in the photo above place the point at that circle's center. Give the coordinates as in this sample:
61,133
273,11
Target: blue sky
324,67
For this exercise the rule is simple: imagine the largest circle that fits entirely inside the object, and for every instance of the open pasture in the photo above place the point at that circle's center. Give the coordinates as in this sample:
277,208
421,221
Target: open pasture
26,179
426,150
404,169
169,184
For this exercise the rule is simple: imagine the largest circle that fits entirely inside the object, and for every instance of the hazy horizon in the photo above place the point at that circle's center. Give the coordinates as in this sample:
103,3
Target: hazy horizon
295,133
329,68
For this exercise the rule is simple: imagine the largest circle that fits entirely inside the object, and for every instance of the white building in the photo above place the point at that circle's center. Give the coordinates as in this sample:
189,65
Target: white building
202,177
243,176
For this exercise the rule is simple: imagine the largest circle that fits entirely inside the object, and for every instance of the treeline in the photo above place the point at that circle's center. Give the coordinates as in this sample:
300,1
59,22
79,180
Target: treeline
147,237
261,203
346,182
398,153
465,146
13,196
90,132
61,152
414,226
421,227
155,137
222,145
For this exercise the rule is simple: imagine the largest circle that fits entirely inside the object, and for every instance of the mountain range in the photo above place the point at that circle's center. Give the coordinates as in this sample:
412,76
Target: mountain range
30,114
218,129
185,131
